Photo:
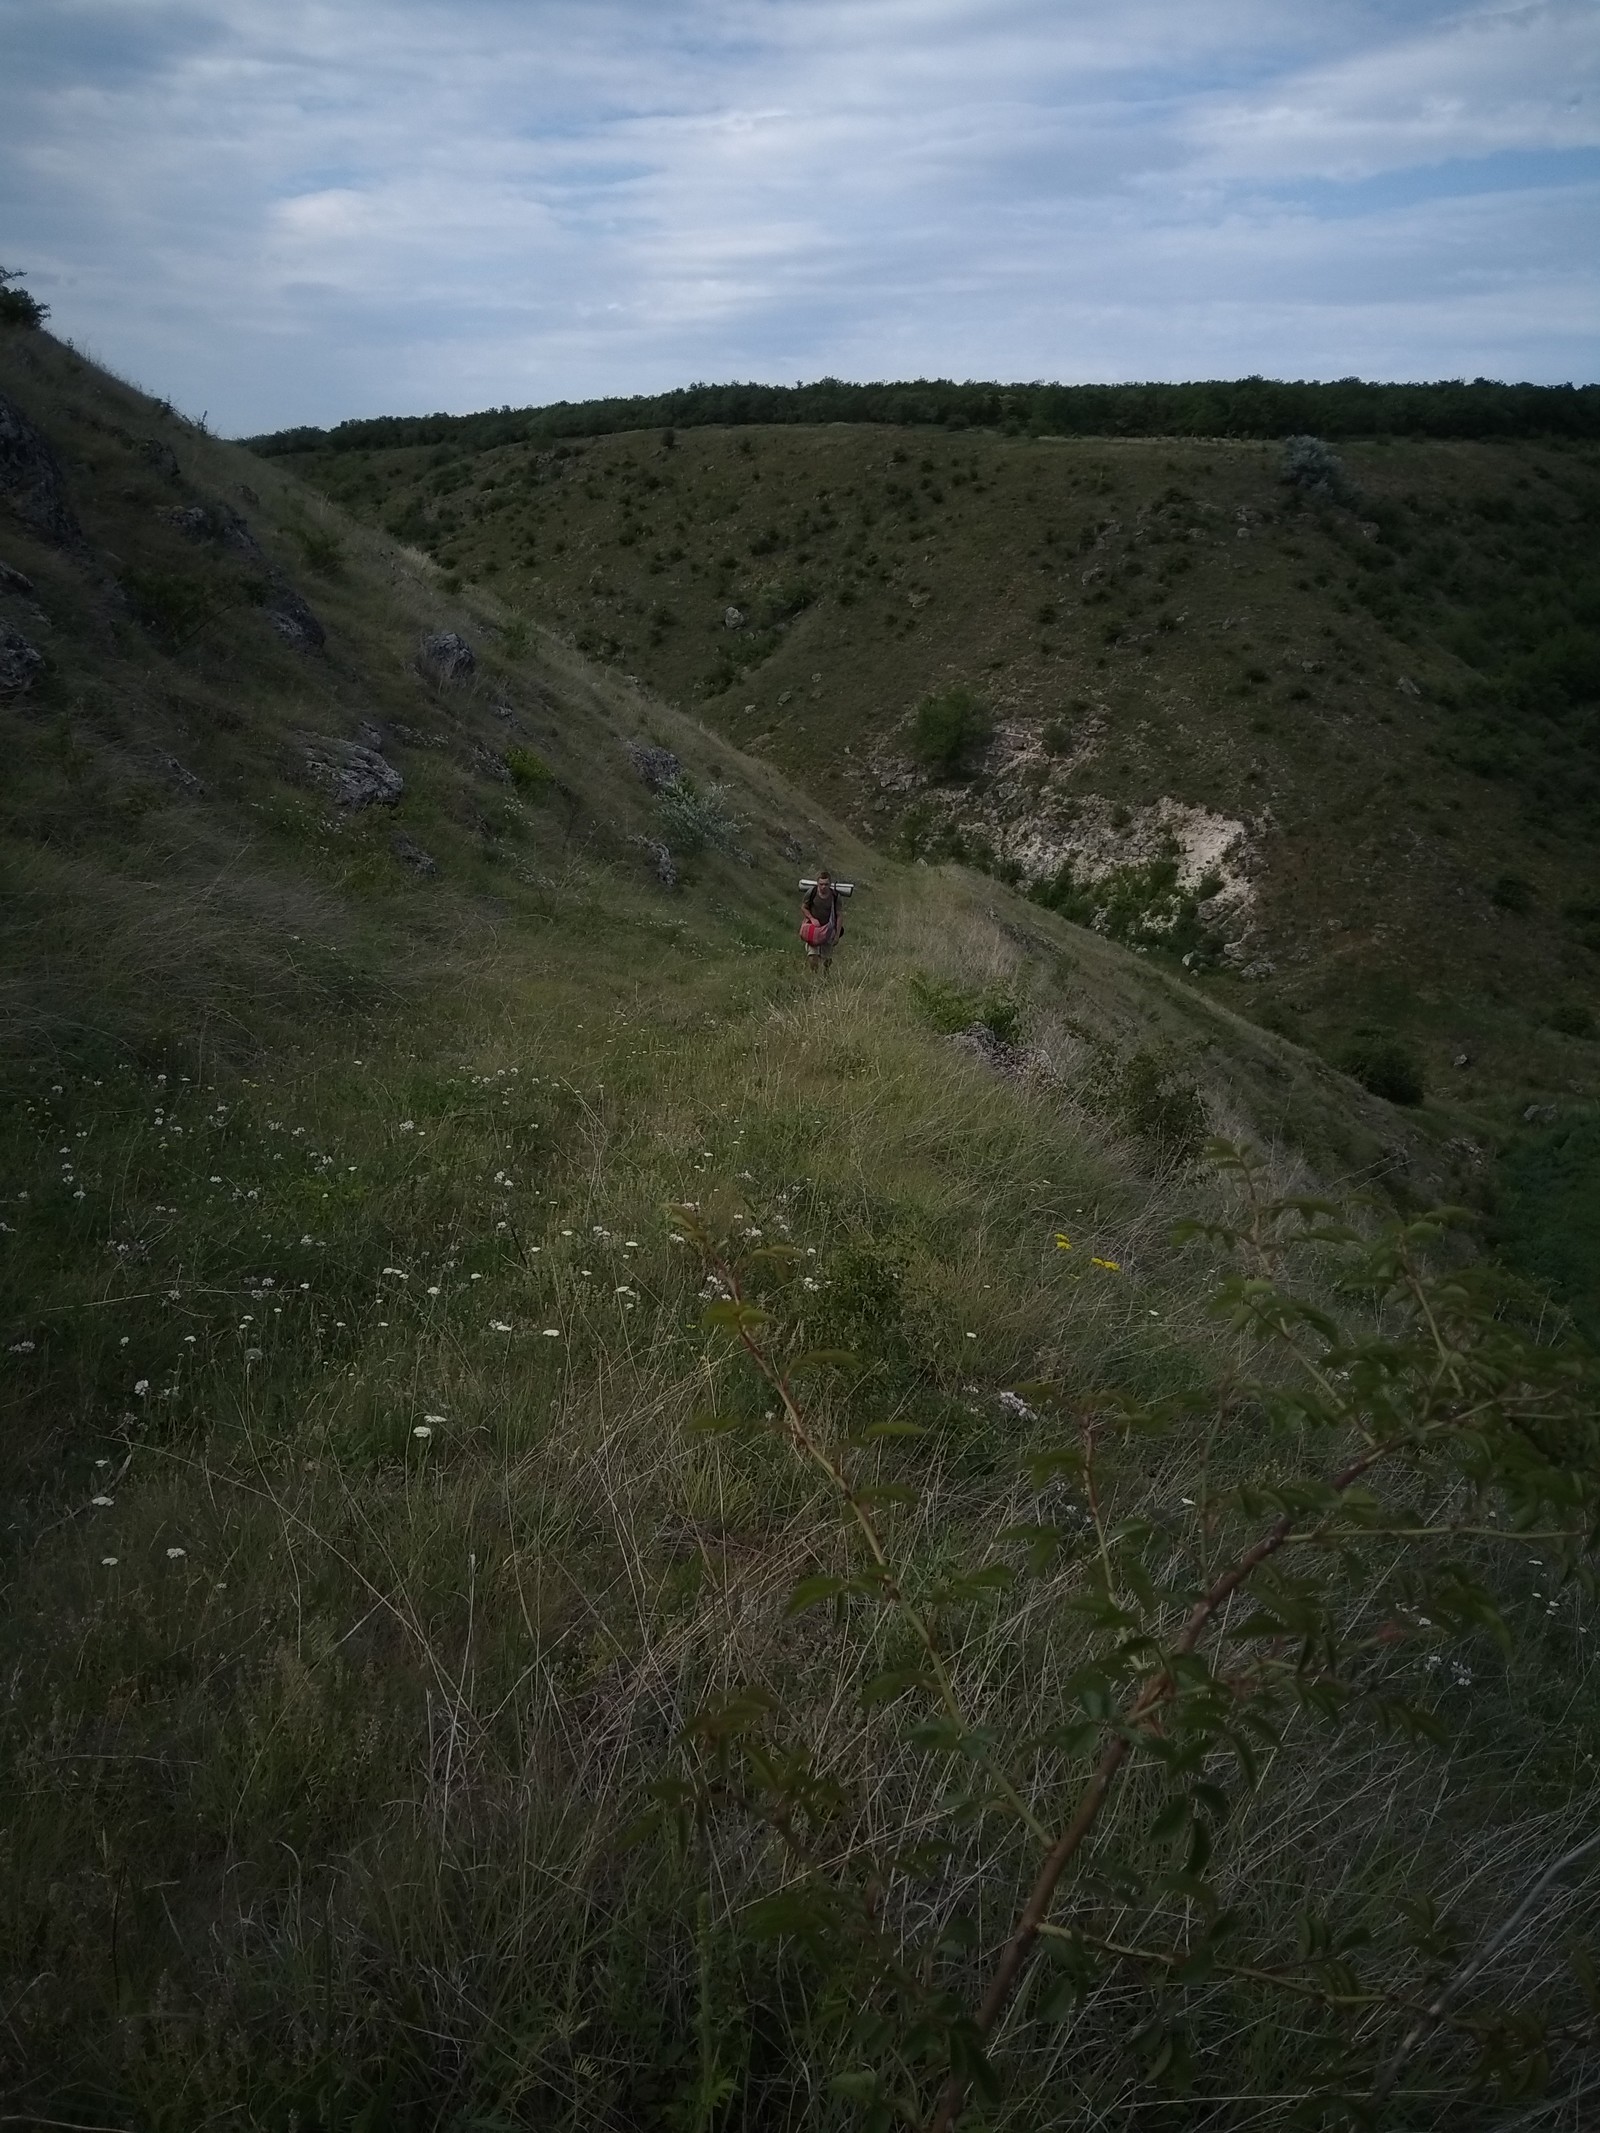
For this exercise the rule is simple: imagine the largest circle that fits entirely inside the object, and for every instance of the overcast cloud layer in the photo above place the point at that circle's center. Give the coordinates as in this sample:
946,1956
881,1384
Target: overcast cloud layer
284,211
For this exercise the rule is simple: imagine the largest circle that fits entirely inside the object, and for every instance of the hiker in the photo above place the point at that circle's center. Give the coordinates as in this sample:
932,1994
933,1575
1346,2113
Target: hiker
821,919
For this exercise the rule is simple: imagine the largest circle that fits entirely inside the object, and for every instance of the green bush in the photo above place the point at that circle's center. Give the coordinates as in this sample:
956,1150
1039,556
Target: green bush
530,773
1509,892
691,818
950,1007
1573,1019
1383,1066
949,730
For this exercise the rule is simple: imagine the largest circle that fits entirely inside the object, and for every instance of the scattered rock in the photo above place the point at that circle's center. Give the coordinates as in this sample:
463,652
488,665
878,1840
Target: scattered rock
1462,1059
15,581
410,854
293,619
733,618
160,457
658,767
352,775
445,657
250,496
409,737
183,777
1407,686
218,523
661,859
1261,968
32,482
980,1042
1539,1115
490,765
369,735
21,663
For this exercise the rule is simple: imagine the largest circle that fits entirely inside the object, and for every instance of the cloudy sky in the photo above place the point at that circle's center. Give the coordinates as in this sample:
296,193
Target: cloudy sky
282,211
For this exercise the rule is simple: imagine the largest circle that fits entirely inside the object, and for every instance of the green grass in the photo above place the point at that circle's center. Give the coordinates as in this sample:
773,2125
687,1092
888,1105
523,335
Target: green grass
335,1255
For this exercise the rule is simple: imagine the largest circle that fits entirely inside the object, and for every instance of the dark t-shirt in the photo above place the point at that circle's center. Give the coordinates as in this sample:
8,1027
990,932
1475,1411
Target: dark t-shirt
821,904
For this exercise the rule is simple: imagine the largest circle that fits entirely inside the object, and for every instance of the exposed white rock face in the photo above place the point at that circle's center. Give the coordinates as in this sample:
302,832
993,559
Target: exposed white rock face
1095,837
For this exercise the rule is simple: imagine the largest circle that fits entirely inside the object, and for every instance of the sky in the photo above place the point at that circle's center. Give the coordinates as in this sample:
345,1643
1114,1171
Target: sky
286,211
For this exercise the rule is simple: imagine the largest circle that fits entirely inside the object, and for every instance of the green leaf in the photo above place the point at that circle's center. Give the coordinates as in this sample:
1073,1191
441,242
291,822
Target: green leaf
709,1425
894,1681
736,1317
823,1359
812,1591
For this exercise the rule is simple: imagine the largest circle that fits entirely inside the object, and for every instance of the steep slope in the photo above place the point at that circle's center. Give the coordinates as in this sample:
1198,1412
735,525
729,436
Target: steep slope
1363,704
377,1548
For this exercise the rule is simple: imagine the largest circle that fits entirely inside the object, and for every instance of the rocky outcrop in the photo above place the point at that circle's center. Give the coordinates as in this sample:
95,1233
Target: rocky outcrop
293,619
219,524
15,581
21,663
665,866
32,483
351,775
410,854
658,767
445,658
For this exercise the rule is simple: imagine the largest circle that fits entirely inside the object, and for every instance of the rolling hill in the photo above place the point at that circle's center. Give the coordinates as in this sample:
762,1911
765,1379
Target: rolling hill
1332,738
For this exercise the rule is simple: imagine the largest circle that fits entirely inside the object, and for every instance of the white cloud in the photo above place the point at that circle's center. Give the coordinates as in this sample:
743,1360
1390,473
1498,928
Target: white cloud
318,209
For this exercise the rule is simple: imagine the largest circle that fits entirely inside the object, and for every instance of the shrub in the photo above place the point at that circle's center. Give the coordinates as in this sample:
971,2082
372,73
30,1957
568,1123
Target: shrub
1383,1066
1152,1104
1309,466
1509,892
321,551
949,730
691,818
1573,1019
530,773
17,306
950,1007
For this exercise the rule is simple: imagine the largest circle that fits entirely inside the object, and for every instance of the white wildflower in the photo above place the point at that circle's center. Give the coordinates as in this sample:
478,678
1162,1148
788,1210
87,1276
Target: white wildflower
141,1388
174,1553
104,1502
422,1430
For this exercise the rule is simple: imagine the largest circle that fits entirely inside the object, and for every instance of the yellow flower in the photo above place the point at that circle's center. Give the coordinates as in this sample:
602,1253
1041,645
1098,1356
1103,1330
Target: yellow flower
1110,1265
1063,1244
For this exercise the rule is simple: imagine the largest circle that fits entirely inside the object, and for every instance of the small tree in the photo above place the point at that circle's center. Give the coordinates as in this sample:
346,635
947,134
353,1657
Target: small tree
17,306
949,730
1310,466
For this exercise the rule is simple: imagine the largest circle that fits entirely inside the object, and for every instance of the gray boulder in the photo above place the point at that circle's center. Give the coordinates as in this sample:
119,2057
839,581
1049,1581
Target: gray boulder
658,767
31,480
293,619
21,663
661,858
15,581
733,618
445,657
351,775
219,524
410,854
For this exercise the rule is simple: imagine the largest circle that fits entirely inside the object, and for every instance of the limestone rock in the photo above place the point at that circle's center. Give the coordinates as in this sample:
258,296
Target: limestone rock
980,1042
445,657
410,854
159,456
658,767
661,858
21,663
733,618
15,581
217,523
32,482
183,777
353,776
490,765
293,619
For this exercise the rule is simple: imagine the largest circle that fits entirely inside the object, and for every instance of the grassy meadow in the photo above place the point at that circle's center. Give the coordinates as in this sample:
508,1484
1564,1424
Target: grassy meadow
409,1718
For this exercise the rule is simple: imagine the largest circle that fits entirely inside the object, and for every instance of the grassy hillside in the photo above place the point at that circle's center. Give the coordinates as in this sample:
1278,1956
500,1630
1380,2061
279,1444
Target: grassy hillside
1379,698
409,1721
